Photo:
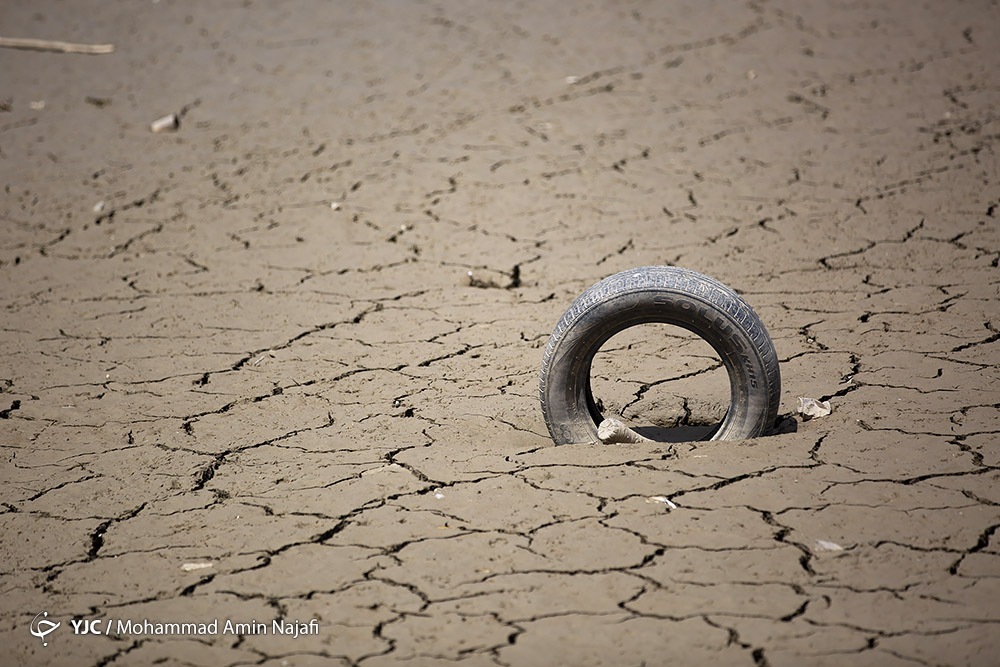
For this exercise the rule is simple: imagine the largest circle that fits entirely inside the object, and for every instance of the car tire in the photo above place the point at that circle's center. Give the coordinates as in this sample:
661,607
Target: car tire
669,295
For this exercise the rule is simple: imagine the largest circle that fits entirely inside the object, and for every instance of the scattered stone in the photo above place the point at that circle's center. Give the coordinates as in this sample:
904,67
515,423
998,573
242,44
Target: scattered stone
811,408
823,545
611,431
166,124
486,278
191,567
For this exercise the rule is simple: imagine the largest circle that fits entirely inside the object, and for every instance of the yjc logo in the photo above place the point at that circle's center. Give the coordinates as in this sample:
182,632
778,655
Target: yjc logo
82,626
42,627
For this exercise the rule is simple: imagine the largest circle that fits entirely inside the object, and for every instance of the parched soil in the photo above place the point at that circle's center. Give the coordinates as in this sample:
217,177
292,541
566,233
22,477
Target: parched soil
282,363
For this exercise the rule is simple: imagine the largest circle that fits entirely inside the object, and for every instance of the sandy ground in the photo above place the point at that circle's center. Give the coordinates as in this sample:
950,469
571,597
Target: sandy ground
264,355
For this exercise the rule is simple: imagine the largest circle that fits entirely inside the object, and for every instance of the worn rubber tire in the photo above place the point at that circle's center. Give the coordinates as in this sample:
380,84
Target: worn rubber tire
669,295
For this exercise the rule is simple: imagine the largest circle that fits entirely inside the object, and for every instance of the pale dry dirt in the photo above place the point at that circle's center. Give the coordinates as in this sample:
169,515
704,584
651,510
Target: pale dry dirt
265,354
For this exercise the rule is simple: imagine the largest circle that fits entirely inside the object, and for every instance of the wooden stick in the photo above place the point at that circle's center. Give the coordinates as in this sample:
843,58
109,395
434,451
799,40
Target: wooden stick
50,45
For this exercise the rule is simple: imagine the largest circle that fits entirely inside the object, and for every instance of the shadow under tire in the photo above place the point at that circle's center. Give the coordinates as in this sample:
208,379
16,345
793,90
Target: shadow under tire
668,295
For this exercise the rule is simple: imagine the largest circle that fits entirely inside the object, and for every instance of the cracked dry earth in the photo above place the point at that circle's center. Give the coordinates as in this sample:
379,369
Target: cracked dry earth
265,354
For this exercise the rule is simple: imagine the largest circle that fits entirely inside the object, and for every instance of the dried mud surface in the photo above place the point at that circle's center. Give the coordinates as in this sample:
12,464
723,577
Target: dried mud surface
265,353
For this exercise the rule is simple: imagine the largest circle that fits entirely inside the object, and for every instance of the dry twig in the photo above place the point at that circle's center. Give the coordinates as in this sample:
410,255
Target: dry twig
52,45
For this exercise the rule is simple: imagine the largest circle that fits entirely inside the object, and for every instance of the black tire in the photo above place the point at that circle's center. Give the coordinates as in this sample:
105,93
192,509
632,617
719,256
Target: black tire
669,295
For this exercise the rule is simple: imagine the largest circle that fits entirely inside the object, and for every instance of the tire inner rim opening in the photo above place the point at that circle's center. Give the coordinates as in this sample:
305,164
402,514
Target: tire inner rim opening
661,380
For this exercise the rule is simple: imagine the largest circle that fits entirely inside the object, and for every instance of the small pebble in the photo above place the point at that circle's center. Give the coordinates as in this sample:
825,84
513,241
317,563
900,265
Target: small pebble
166,124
